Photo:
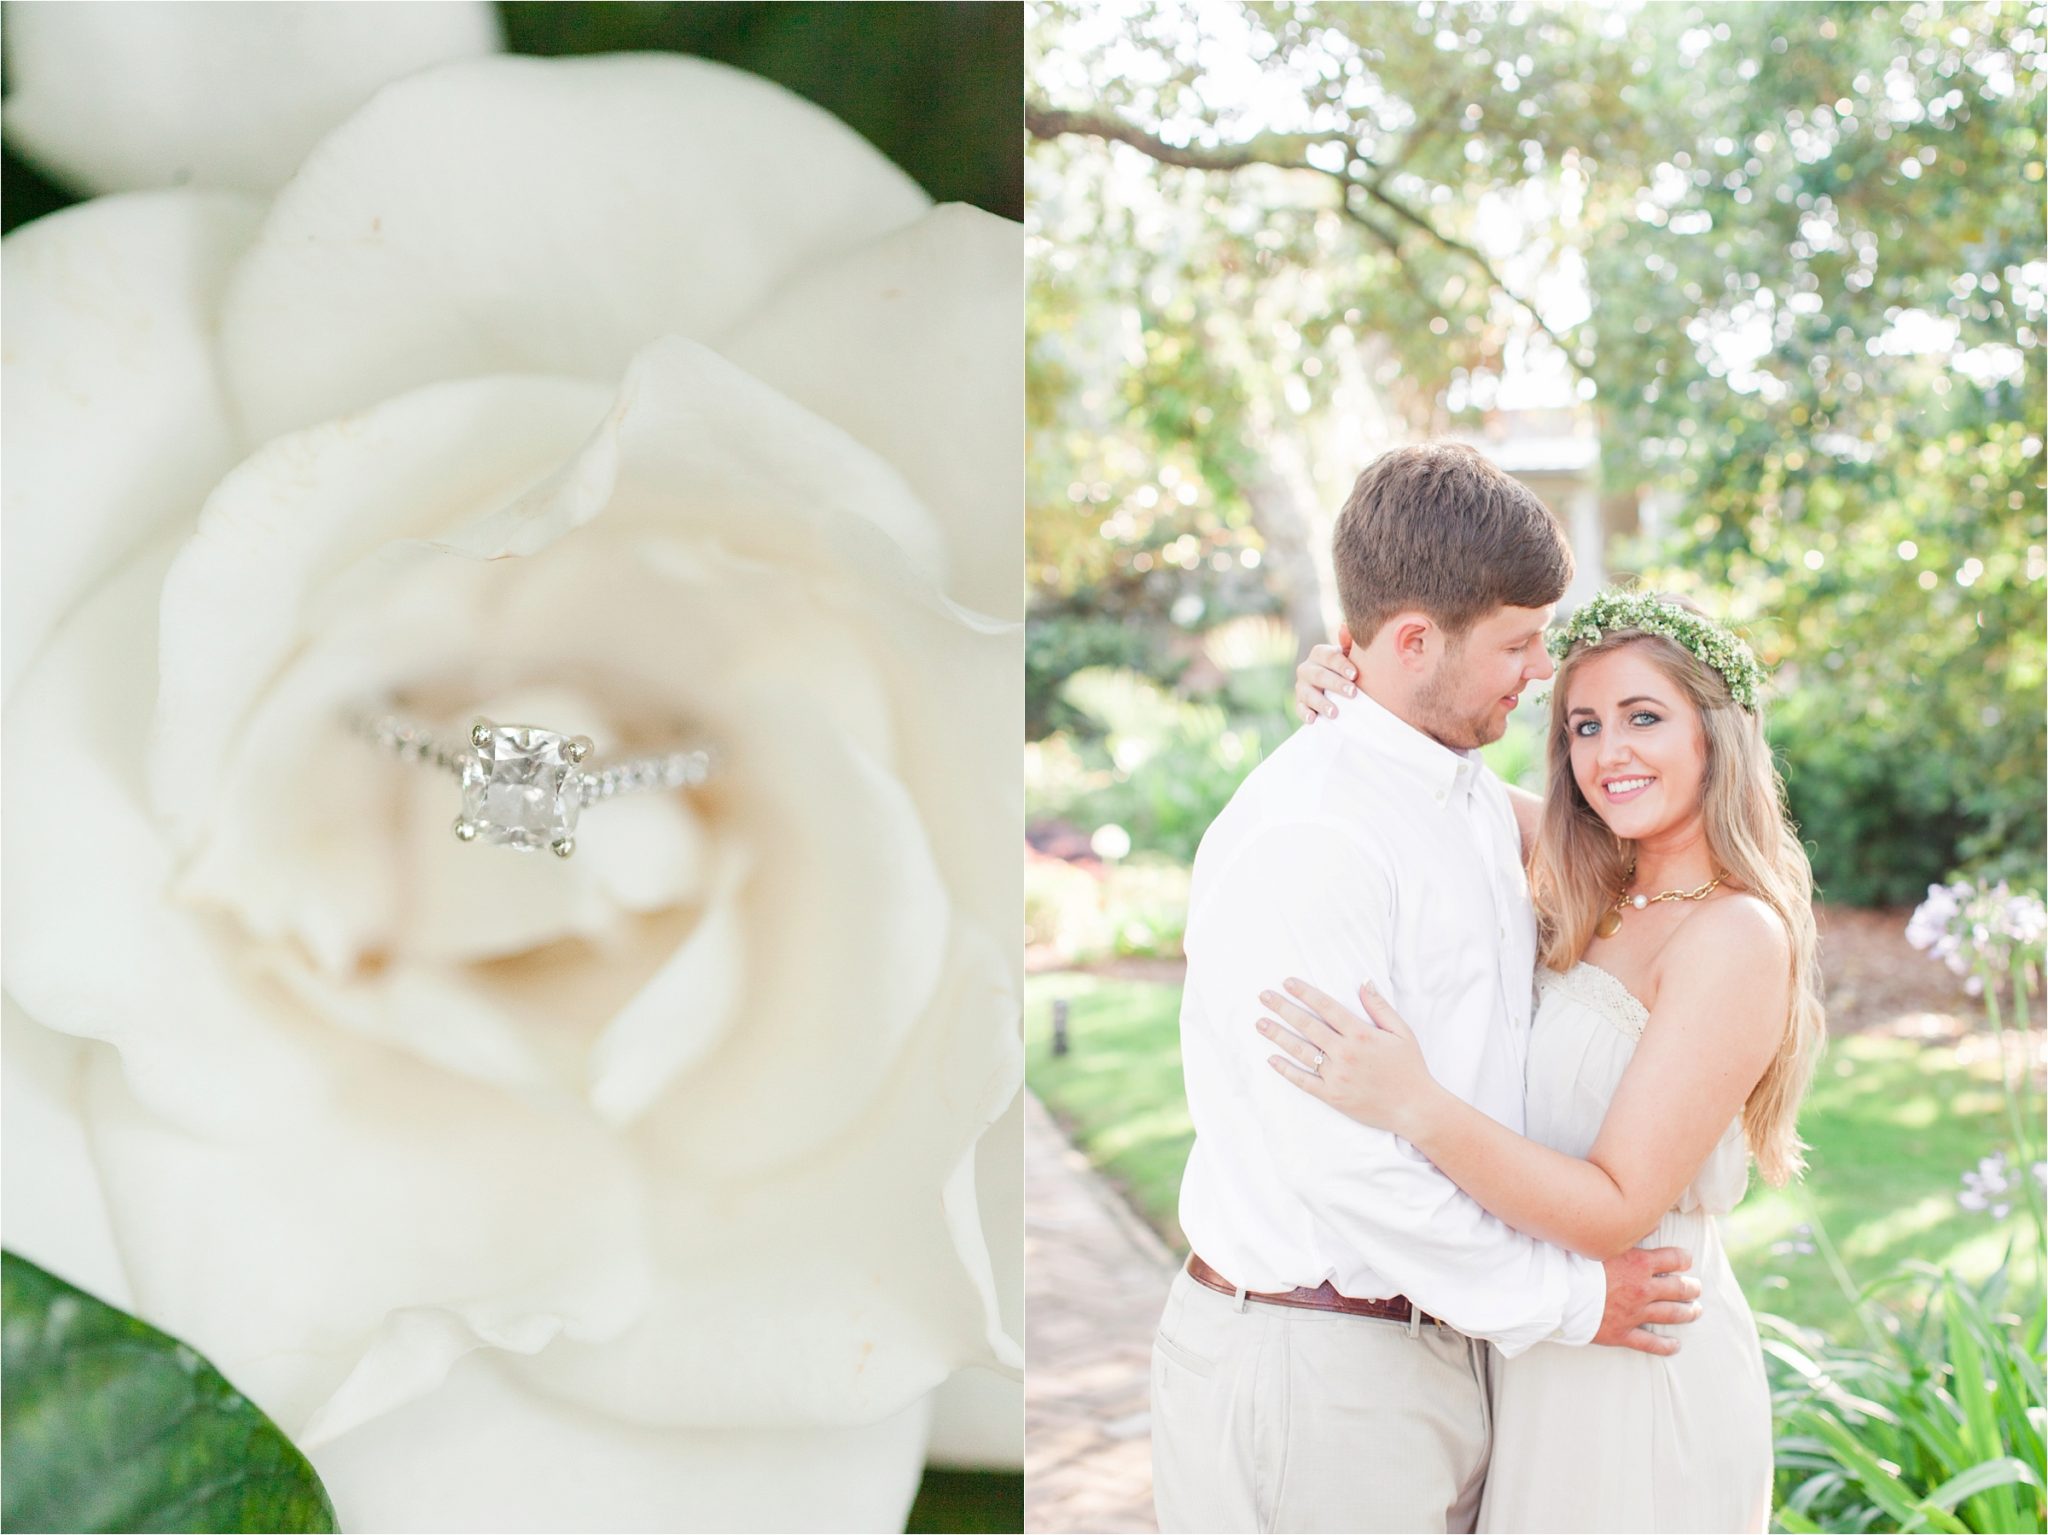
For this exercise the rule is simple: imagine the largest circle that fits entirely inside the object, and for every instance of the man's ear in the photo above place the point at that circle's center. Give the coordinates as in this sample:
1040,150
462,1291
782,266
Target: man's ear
1344,638
1411,634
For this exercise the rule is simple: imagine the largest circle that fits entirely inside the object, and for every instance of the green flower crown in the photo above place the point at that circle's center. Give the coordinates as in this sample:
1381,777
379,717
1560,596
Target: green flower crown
1719,648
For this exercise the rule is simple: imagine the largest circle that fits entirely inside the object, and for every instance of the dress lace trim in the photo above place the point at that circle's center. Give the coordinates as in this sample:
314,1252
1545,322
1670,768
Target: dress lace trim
1603,993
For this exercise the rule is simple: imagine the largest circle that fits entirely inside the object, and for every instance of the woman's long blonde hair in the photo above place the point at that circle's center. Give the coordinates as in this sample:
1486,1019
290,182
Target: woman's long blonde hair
1579,865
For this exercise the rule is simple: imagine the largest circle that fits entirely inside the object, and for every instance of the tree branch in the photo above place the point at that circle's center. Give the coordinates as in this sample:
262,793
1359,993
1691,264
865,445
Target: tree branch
1471,253
1286,151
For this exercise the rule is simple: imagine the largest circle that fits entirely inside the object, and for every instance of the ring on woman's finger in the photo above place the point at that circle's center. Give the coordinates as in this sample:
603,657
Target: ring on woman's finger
1320,1058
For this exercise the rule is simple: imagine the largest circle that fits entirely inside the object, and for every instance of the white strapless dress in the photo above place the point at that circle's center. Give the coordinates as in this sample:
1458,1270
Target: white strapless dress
1607,1439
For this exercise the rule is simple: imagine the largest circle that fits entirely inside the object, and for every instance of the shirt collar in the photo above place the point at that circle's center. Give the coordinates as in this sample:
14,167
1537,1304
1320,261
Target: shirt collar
1441,769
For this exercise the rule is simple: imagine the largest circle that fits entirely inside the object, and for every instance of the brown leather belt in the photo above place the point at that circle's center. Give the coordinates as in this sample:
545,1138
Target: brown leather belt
1323,1297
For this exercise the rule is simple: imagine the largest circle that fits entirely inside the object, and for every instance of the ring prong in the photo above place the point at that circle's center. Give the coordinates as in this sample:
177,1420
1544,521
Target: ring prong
480,733
564,847
465,829
580,747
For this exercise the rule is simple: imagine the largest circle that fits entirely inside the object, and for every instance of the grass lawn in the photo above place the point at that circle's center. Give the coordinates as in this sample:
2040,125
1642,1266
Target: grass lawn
1892,1124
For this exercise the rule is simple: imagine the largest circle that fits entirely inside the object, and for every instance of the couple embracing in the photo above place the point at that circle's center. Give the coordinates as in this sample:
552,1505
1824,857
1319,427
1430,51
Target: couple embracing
1473,1074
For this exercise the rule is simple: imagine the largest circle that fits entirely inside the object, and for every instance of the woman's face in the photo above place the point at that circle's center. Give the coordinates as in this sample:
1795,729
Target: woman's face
1639,749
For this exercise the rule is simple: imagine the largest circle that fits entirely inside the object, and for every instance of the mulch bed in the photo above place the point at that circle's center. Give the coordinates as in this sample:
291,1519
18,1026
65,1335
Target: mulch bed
1877,980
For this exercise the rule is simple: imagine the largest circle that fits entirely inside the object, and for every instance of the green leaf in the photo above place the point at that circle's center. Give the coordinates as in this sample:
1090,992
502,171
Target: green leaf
2004,1472
1883,1487
108,1424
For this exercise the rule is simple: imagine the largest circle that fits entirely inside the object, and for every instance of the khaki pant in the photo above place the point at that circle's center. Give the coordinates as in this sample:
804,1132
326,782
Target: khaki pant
1274,1418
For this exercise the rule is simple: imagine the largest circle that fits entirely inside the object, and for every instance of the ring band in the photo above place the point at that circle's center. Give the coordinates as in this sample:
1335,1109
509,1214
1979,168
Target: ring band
523,786
1320,1058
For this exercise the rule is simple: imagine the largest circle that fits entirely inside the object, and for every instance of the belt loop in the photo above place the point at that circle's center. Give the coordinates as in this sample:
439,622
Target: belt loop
1241,1302
1414,1321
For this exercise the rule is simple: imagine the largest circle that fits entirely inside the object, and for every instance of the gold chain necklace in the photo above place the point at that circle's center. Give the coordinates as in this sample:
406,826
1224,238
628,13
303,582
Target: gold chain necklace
1610,919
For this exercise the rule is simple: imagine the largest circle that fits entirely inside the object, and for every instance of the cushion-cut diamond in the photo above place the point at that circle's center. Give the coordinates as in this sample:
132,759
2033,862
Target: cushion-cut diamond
521,788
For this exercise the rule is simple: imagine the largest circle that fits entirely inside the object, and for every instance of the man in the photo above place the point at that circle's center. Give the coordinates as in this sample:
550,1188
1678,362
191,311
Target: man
1322,1360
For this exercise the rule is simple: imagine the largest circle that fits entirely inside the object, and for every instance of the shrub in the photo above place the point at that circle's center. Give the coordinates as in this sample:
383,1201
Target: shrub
1935,1424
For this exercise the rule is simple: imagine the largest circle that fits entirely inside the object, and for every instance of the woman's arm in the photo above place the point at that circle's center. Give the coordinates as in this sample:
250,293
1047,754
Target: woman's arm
1720,1012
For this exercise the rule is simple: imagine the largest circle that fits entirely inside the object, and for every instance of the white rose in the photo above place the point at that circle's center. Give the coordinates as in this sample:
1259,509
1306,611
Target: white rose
636,1191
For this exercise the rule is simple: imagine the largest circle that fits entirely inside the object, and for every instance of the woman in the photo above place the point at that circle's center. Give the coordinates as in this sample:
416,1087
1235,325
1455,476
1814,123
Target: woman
1678,1015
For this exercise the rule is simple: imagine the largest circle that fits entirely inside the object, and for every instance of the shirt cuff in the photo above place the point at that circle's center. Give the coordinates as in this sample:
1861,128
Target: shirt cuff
1585,1300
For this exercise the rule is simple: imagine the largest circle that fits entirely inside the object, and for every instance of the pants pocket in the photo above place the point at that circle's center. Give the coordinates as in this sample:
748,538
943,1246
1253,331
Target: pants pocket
1181,1355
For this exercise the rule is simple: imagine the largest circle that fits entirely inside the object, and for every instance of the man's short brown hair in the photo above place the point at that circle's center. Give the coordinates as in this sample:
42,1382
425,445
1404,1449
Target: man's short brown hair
1437,529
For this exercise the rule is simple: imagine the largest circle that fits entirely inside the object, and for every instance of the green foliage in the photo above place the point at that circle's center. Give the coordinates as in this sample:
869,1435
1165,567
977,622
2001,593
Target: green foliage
1160,766
1933,1423
964,1502
1876,812
108,1424
1058,645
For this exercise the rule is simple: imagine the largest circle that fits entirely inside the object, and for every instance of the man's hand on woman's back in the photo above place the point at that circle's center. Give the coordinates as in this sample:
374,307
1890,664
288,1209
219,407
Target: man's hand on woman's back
1647,1286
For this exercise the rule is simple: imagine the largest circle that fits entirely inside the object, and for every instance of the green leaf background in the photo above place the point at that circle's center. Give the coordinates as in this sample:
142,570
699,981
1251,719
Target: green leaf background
108,1424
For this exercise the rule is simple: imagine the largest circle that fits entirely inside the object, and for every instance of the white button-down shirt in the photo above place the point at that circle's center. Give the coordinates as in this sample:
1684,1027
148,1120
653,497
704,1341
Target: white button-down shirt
1363,850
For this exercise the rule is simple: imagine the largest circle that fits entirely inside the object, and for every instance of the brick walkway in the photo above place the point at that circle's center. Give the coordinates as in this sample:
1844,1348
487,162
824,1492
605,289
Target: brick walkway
1095,1280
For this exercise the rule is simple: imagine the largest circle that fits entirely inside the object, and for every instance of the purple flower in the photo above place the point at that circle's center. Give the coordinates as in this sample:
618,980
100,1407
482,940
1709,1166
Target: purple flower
1968,929
1990,1187
1929,922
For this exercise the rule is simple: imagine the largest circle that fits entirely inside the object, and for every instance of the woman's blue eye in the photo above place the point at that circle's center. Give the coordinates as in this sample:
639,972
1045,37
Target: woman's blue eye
1586,728
1643,717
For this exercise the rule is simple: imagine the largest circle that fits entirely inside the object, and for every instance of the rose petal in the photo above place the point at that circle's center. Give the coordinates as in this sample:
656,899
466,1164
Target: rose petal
307,1260
116,97
914,344
93,949
840,1292
679,1016
427,1010
978,1416
512,214
115,422
485,1454
978,1422
56,1214
695,444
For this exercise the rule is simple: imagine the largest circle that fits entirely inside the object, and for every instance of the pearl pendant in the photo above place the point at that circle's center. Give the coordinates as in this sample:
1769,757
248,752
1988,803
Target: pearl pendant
1639,902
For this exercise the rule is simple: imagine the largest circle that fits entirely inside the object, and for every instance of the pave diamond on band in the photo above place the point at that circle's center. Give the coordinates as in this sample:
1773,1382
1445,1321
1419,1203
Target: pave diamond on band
523,786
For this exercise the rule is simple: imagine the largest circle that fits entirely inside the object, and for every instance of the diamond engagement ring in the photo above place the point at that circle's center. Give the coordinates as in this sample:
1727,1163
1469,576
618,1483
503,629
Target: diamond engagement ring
523,787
